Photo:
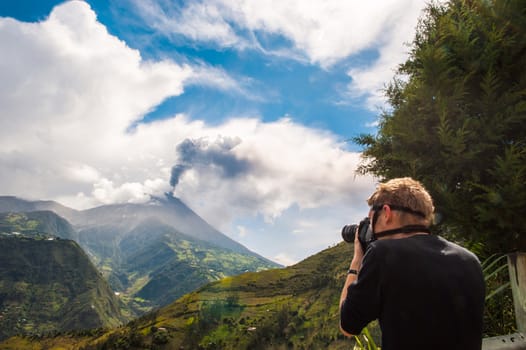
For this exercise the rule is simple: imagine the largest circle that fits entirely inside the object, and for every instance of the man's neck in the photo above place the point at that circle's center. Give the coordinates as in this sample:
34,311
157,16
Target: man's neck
398,230
402,235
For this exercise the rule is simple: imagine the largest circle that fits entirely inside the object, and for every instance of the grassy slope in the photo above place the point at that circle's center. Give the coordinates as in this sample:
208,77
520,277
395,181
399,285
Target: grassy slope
35,223
153,264
294,308
48,285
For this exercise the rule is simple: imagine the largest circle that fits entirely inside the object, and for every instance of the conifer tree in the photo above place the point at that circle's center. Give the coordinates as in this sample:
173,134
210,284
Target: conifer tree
457,120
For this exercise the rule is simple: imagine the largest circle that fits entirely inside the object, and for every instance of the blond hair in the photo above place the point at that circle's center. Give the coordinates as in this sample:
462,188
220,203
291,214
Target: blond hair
408,193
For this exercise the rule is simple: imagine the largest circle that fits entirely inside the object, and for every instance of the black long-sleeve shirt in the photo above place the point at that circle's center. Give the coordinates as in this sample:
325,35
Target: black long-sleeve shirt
426,292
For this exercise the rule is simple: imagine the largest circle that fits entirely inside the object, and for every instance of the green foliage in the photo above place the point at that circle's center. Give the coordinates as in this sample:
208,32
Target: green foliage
154,264
499,317
458,120
139,248
275,309
293,308
365,341
37,224
50,285
289,308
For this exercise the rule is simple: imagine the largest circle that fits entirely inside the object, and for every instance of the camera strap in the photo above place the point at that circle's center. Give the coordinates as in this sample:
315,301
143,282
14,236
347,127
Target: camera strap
403,229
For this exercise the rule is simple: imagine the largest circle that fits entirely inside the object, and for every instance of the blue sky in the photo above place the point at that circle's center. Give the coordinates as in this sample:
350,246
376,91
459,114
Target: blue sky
245,106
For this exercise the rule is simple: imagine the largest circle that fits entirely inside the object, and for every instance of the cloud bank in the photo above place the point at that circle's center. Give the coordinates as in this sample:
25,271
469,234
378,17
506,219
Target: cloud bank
322,32
72,98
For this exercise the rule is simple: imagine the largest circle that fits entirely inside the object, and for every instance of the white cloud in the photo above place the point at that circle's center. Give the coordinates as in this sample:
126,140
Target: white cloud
370,80
323,32
66,79
284,259
197,21
282,164
70,93
241,231
83,173
130,192
316,228
206,75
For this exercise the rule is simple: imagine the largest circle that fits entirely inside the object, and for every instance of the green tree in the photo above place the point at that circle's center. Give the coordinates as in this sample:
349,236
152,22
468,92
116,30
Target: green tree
457,120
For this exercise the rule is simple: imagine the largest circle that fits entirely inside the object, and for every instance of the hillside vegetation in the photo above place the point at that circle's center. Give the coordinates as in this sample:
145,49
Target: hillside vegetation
150,253
43,223
50,285
158,265
289,308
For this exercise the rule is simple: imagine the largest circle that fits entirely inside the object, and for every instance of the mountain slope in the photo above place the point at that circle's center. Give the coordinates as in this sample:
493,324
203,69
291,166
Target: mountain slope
124,217
151,253
294,308
37,223
50,284
168,210
11,204
117,220
161,265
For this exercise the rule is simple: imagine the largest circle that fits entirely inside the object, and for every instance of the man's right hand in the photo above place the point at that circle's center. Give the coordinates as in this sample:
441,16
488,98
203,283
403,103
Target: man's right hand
356,263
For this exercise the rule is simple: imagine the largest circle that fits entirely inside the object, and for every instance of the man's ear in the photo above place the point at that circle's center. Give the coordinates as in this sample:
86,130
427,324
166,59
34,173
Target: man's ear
388,213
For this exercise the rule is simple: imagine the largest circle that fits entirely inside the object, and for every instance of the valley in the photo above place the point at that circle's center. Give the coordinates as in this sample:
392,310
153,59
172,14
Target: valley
147,255
294,307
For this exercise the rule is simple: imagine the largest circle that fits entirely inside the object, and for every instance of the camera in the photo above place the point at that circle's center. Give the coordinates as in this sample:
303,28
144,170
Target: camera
365,234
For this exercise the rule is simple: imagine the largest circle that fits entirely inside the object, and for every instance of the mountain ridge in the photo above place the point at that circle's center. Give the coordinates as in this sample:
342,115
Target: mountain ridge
49,284
163,208
295,307
150,253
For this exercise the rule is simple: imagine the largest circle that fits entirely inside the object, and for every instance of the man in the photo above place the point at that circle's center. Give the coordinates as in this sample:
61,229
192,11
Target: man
426,292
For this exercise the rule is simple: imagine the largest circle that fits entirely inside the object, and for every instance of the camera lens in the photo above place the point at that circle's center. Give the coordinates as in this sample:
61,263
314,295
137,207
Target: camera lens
348,232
